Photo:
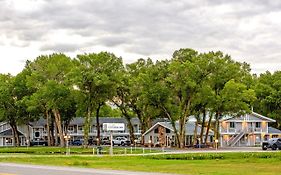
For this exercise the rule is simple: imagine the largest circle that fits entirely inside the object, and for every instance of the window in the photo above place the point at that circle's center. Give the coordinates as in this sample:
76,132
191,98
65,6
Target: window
232,125
168,131
156,130
80,128
70,128
258,124
37,134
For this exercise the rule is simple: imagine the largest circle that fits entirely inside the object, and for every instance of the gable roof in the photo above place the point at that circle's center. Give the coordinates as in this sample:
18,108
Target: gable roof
253,114
189,127
9,132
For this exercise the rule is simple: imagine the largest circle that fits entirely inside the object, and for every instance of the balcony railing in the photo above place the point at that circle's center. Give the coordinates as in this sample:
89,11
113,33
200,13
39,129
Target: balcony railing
236,130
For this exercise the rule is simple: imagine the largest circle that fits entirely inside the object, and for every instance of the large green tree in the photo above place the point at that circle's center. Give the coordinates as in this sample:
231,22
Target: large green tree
95,78
49,77
268,89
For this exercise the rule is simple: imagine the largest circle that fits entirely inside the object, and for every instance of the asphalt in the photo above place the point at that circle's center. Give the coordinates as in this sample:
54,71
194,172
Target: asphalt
20,169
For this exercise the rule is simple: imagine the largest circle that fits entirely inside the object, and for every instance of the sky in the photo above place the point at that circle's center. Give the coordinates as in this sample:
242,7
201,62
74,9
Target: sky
249,31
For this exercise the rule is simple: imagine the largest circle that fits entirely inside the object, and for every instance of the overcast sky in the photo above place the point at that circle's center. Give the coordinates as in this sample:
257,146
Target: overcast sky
248,30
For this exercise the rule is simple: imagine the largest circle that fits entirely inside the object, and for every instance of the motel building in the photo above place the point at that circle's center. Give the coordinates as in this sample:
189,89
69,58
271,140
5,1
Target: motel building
246,130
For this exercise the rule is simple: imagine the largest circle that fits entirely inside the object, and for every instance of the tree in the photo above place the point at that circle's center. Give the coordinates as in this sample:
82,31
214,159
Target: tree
8,107
95,77
50,79
231,81
268,89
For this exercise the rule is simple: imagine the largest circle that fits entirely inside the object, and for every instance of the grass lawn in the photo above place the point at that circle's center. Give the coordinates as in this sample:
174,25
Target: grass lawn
73,150
197,163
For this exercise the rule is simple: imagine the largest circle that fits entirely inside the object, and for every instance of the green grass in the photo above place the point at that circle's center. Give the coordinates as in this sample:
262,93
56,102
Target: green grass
196,163
73,150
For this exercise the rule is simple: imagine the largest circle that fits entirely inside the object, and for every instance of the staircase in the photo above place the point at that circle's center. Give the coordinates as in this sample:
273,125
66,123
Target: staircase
234,139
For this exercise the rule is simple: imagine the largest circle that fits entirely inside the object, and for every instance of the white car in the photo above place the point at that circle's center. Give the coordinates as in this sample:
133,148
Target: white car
121,141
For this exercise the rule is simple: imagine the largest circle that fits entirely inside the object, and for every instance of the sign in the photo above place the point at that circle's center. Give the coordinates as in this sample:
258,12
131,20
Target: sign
114,126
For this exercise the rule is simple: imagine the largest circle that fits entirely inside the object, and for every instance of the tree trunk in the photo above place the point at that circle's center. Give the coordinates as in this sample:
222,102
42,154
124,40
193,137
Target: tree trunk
208,127
195,133
48,127
217,126
16,140
58,123
182,133
98,124
28,135
202,126
52,130
130,125
87,126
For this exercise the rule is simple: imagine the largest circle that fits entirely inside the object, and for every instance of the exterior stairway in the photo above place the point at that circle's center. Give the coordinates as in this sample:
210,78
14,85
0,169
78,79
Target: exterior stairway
233,140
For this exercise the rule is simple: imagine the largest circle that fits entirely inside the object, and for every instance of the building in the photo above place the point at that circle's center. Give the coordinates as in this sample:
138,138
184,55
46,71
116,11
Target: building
162,134
37,131
6,134
246,130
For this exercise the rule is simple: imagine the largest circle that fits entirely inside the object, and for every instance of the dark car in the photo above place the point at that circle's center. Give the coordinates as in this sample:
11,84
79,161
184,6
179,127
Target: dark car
77,143
38,143
274,143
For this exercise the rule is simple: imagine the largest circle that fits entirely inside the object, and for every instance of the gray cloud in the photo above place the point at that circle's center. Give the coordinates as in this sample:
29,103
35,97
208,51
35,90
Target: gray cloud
247,30
60,47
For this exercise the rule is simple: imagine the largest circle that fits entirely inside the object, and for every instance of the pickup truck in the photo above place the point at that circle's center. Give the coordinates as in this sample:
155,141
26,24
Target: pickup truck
274,143
121,141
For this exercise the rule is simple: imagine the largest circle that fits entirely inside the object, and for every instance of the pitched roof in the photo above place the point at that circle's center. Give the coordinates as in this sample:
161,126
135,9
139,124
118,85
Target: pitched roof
228,117
189,127
9,132
272,130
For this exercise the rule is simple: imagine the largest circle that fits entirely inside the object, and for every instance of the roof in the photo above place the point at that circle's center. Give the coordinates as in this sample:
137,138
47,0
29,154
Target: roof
272,130
189,127
254,114
9,132
80,121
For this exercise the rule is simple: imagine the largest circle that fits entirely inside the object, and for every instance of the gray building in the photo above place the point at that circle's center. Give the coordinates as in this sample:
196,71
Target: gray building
163,134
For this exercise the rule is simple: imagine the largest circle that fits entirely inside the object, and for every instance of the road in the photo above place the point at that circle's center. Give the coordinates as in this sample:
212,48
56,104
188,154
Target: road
20,169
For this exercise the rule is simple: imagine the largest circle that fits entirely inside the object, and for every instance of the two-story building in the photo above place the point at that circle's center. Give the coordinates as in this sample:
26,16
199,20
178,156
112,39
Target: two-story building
246,130
37,130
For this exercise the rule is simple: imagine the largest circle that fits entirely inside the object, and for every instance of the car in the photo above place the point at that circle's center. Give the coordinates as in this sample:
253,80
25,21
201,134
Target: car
105,141
77,142
274,143
38,143
121,141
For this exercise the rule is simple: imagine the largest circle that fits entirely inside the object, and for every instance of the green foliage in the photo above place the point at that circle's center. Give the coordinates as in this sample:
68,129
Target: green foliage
268,89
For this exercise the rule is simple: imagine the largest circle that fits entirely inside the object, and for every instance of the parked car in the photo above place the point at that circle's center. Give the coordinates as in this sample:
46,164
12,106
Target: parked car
274,143
77,143
105,141
38,143
121,141
92,142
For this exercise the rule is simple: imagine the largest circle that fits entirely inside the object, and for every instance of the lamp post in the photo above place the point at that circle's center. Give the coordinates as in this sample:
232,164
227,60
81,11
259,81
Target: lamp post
216,141
135,143
67,137
27,143
149,141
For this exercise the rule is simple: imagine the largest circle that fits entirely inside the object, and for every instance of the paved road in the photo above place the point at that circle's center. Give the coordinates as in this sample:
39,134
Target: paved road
20,169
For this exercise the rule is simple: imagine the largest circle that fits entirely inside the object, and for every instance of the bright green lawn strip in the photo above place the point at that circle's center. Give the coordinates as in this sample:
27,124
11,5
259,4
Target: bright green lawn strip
73,150
231,164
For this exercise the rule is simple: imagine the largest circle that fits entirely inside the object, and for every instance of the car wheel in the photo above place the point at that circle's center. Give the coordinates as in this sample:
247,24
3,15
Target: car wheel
274,147
264,147
122,143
